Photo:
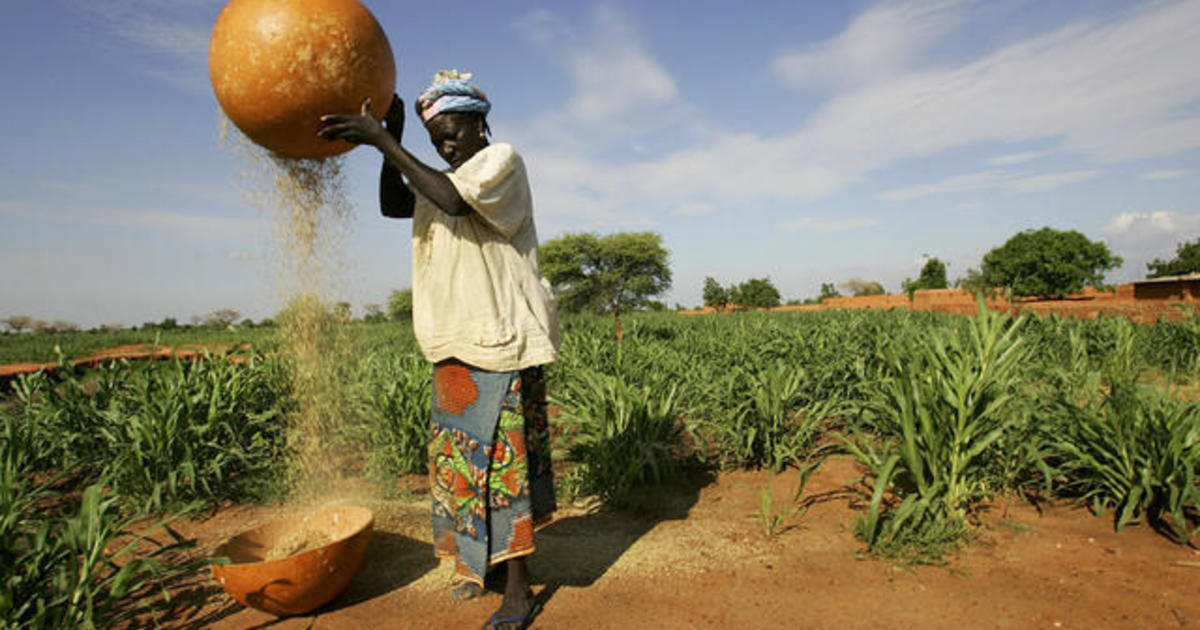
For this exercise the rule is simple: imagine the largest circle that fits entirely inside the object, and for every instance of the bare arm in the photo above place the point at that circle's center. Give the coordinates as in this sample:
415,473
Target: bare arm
430,182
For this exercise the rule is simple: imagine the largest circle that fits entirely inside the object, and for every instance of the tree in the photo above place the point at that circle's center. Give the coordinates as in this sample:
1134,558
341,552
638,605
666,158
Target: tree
1186,260
933,276
973,282
399,306
613,273
1048,263
828,290
221,318
860,287
18,323
715,295
342,312
56,326
756,293
373,314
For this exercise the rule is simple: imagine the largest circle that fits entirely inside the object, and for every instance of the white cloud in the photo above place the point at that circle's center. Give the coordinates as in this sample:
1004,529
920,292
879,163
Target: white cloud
1015,158
1107,91
1048,181
828,226
612,73
956,184
876,44
695,209
1165,174
1140,237
1151,225
987,180
176,33
178,224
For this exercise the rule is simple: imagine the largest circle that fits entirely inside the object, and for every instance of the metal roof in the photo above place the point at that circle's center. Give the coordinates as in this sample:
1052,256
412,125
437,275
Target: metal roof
1184,278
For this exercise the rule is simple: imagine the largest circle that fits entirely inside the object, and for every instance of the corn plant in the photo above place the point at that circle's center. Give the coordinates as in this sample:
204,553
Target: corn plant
1137,452
773,521
79,570
944,401
626,436
769,424
392,396
193,430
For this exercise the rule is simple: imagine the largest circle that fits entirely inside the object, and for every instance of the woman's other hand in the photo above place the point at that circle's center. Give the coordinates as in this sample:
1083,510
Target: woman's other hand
394,118
359,129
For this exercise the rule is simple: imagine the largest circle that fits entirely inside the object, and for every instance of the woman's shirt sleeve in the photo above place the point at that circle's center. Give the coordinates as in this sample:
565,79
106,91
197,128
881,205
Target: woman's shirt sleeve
494,184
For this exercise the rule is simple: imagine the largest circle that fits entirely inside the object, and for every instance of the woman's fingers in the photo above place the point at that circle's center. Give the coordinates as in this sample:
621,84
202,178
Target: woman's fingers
340,131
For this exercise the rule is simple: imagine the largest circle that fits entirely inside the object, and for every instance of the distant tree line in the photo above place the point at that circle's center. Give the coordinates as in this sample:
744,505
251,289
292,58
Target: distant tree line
752,293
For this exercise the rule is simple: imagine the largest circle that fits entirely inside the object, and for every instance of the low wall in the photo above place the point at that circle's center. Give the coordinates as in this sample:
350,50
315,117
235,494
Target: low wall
1142,302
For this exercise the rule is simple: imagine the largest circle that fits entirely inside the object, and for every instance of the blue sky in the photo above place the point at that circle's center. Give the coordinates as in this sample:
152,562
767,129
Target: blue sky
805,141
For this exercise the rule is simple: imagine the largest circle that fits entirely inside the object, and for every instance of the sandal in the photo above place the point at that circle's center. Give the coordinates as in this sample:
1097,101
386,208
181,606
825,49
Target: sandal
522,622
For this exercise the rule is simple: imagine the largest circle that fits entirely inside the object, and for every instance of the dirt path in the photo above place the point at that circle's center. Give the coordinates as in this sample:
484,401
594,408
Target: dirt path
702,560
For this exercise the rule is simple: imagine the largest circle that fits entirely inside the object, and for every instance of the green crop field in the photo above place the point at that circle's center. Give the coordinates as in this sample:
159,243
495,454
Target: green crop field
942,414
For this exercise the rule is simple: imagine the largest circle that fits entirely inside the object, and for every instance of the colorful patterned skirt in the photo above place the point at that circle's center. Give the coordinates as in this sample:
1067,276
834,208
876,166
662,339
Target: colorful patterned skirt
489,461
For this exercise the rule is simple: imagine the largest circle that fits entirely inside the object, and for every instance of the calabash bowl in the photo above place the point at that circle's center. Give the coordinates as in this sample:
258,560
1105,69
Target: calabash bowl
306,580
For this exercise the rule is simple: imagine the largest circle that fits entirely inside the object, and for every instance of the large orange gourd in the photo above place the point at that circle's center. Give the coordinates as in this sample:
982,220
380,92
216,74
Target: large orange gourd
277,65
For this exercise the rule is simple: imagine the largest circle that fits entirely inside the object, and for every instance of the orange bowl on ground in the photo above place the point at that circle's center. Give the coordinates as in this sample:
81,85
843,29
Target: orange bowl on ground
298,583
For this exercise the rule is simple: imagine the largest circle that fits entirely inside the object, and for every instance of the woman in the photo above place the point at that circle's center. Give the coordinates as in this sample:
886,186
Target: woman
485,317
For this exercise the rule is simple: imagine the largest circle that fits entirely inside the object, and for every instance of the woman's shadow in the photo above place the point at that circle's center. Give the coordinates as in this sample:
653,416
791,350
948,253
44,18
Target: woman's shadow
578,550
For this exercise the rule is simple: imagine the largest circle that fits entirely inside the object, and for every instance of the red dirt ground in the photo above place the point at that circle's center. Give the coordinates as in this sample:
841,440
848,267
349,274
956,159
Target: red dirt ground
700,559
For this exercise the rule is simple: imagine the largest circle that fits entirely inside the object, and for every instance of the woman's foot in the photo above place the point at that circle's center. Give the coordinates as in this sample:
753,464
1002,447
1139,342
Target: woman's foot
467,591
513,615
519,606
493,582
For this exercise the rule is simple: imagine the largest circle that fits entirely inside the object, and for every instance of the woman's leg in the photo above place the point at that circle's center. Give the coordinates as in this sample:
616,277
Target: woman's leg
518,598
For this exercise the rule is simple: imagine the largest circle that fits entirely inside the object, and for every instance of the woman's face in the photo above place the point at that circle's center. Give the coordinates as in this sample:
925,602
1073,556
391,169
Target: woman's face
457,136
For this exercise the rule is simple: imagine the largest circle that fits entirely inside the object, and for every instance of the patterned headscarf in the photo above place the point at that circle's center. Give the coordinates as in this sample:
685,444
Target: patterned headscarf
451,91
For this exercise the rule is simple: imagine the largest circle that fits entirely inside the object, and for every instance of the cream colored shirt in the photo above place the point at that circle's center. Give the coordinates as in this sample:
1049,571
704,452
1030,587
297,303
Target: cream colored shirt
477,293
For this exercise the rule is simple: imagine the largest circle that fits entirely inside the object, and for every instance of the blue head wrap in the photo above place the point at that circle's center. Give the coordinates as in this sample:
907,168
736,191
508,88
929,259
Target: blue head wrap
451,91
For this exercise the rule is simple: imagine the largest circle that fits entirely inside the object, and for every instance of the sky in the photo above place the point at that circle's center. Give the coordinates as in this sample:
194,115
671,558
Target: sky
807,142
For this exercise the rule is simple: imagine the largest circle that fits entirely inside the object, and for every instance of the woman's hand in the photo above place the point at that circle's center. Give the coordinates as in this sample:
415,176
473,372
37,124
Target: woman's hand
360,129
394,118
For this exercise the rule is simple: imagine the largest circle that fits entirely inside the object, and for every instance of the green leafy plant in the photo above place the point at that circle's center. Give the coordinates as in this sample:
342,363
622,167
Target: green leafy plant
87,568
941,405
1137,452
625,435
393,397
772,426
774,521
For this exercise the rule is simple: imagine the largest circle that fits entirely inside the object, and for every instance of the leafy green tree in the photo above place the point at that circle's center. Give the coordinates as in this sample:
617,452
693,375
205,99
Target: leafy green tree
613,273
1048,263
859,287
973,282
399,306
373,314
933,276
756,293
828,290
715,295
1186,260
